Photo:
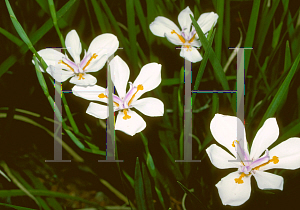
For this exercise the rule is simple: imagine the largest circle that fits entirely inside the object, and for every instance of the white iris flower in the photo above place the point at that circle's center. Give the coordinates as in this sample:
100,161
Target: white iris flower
61,68
235,188
128,120
185,37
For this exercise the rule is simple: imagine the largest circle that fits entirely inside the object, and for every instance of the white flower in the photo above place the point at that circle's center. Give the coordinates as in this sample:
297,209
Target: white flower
127,121
235,188
94,59
164,27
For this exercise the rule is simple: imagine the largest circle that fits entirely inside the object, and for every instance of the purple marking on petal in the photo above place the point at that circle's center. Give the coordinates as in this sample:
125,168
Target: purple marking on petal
245,169
183,34
71,64
261,160
129,95
243,153
117,100
85,60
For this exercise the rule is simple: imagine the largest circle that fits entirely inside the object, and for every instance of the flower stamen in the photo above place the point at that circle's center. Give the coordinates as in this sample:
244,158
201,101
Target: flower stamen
139,87
179,36
274,159
192,39
62,62
104,96
126,116
88,63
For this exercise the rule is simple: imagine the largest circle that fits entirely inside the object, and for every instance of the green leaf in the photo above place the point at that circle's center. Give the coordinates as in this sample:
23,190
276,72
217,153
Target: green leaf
18,27
201,68
132,33
219,33
15,207
196,202
11,37
116,27
100,16
147,186
212,57
139,187
251,32
40,76
282,91
276,35
75,139
142,18
288,59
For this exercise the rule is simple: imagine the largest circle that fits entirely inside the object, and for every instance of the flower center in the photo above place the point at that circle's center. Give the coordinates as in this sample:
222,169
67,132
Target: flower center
185,39
121,103
78,69
248,169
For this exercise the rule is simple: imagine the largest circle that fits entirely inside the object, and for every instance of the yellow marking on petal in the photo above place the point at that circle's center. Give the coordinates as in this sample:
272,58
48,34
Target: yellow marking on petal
102,95
192,39
239,180
188,47
126,116
61,62
179,36
275,160
88,63
80,76
235,141
139,87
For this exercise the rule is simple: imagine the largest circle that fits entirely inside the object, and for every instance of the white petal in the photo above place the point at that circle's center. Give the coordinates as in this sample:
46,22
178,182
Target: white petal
191,54
88,80
130,126
149,77
196,43
267,180
232,193
96,64
119,75
184,18
174,38
220,158
288,153
207,20
108,42
89,92
73,45
50,56
224,130
97,110
162,25
58,74
265,136
149,106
